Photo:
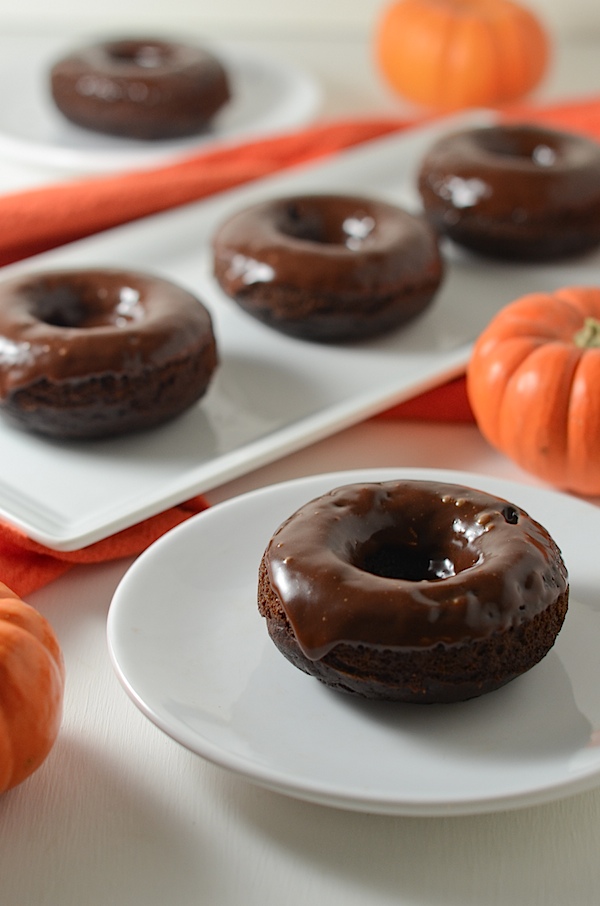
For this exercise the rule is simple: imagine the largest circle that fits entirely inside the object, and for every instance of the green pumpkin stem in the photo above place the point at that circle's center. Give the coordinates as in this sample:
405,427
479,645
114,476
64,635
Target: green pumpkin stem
589,335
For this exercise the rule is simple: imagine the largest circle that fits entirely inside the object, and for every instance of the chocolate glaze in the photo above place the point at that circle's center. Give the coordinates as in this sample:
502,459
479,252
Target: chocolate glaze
328,267
324,243
410,565
100,339
140,88
70,324
515,191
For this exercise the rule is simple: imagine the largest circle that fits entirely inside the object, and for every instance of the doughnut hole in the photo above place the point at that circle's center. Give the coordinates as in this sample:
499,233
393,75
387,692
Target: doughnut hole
317,220
389,554
521,144
83,305
145,54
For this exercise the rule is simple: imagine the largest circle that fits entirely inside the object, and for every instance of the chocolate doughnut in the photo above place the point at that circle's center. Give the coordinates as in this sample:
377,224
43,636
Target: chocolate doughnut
412,591
328,267
89,353
517,192
140,88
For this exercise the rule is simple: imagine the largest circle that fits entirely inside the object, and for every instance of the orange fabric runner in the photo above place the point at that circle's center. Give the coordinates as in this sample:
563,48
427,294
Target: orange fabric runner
26,565
41,219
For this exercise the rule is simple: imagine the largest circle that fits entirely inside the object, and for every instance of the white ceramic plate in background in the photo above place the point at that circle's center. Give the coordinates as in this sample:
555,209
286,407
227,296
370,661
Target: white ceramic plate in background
193,653
267,96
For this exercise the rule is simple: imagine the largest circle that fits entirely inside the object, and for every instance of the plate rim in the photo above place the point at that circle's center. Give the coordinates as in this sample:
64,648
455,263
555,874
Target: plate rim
304,789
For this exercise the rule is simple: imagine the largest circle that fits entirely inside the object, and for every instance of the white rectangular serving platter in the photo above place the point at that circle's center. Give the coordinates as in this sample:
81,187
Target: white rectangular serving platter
272,394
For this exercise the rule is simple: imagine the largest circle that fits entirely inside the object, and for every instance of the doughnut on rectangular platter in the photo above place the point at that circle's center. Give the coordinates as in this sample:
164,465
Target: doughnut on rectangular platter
272,394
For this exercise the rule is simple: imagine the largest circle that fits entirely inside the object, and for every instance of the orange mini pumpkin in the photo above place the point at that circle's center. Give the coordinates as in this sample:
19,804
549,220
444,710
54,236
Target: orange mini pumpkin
533,382
31,689
452,54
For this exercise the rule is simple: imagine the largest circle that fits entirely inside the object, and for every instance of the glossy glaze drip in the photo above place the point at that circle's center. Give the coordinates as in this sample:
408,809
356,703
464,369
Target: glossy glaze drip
68,324
410,565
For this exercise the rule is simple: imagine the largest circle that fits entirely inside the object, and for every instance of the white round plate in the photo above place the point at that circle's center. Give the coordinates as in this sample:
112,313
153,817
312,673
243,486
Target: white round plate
193,653
267,96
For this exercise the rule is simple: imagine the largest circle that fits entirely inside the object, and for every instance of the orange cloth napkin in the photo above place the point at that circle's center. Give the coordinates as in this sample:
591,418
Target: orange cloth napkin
26,565
40,219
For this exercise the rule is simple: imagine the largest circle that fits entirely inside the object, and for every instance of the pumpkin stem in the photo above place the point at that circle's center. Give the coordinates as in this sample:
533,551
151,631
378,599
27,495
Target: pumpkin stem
589,335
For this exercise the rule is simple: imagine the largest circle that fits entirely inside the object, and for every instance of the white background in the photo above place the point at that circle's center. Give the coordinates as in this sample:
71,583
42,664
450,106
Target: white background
257,18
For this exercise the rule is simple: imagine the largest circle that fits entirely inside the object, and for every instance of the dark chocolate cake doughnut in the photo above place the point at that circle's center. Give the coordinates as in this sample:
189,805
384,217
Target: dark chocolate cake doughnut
328,268
412,591
89,353
518,192
140,88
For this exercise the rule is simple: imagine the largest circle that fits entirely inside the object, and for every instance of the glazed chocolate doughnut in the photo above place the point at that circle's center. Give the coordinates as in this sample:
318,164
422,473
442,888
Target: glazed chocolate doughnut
91,353
517,192
140,88
412,591
328,267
